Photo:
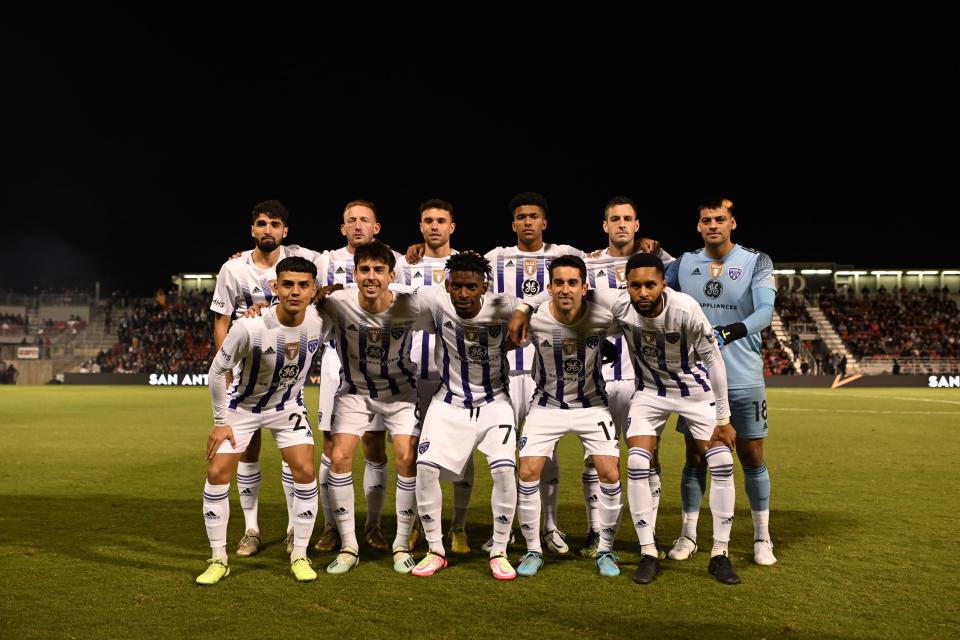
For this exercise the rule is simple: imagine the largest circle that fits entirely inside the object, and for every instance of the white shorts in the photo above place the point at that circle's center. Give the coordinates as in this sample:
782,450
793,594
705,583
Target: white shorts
451,433
619,394
544,428
356,414
329,385
522,387
649,413
289,428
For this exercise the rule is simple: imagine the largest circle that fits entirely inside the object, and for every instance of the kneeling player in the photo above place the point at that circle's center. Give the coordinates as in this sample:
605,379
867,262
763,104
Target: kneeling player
274,351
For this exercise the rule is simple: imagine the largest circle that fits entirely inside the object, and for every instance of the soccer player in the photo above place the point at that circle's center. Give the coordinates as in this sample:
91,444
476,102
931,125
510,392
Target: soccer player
436,227
567,335
606,269
243,282
373,335
735,287
360,227
471,410
272,354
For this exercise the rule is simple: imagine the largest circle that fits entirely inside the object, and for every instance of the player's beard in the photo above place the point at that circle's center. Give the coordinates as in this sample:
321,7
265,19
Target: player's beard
267,244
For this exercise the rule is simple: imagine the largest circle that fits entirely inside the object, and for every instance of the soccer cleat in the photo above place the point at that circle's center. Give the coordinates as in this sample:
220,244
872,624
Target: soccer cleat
683,548
288,541
403,562
501,568
432,563
217,571
329,539
590,543
661,552
302,570
556,541
375,539
249,544
648,569
721,569
763,553
458,541
416,535
530,564
488,545
347,559
607,564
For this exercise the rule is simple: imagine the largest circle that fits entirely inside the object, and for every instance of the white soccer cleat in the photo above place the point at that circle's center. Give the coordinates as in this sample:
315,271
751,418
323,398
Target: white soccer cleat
683,548
763,553
555,541
488,545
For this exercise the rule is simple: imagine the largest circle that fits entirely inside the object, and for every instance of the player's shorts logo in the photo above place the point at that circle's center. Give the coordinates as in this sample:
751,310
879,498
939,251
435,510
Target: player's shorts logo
494,331
471,333
712,289
572,366
531,287
374,335
593,342
374,353
569,346
735,273
423,447
672,338
522,443
312,345
396,333
477,352
289,373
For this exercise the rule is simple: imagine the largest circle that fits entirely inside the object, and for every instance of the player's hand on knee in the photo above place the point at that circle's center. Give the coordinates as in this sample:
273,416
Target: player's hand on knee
254,310
724,434
217,436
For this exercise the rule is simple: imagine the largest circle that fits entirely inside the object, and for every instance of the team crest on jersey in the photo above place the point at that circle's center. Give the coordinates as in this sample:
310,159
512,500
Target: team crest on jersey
531,287
649,337
291,350
374,352
471,333
396,333
572,366
423,447
313,344
530,266
569,346
716,268
672,338
522,443
439,275
621,272
477,352
374,335
735,273
593,342
494,331
713,289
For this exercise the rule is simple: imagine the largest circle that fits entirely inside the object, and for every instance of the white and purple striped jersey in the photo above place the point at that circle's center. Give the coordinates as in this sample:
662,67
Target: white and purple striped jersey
429,272
374,348
523,275
241,284
667,349
567,364
469,352
338,267
271,360
610,272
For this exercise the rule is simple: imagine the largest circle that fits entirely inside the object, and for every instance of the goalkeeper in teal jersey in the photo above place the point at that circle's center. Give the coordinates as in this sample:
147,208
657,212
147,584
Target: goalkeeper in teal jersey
735,287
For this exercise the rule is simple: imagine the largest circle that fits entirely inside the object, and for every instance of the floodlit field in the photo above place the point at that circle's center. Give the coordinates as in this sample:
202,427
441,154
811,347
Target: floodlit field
101,535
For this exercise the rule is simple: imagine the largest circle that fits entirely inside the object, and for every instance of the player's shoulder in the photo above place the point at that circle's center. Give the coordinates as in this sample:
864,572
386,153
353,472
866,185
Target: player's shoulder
496,251
681,300
238,264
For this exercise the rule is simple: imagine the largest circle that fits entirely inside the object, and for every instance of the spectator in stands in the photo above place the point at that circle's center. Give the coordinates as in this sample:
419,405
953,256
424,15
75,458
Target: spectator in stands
10,375
896,367
842,365
805,366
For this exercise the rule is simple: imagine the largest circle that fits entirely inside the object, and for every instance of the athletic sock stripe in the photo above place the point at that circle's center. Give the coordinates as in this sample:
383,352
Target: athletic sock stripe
325,461
611,492
492,462
211,498
376,465
715,450
639,451
427,463
528,491
506,463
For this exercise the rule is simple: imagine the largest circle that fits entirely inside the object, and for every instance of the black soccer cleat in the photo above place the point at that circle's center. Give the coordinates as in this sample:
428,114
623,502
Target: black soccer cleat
721,569
647,570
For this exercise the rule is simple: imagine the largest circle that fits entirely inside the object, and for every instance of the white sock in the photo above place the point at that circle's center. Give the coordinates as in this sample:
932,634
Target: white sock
761,524
655,478
305,515
462,491
638,493
503,501
722,494
591,497
216,514
406,509
374,489
341,501
328,520
529,510
689,529
248,486
609,507
429,505
550,492
286,478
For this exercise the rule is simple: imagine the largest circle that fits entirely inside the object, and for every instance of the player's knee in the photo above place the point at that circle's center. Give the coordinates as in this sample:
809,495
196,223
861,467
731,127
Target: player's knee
375,448
695,457
406,462
609,475
528,474
750,452
720,462
219,472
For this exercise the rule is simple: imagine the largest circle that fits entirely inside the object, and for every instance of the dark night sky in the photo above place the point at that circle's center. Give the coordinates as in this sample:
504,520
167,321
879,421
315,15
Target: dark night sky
136,151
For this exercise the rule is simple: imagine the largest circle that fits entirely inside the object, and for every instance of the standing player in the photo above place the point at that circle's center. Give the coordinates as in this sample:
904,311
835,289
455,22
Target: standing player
606,269
373,327
272,354
736,289
567,335
471,410
243,282
436,227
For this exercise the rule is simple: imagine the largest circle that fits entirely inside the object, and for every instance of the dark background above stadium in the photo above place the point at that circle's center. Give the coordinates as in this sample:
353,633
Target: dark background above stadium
136,149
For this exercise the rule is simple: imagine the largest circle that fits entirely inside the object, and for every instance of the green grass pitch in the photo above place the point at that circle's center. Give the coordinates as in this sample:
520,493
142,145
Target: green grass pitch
101,535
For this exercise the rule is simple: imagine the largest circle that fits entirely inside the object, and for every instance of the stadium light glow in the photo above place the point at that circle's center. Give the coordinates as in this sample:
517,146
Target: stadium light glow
950,273
851,273
923,273
816,272
198,276
886,273
785,272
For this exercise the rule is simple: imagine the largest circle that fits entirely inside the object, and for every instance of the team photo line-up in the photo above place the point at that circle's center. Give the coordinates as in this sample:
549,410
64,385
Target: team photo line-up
504,352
